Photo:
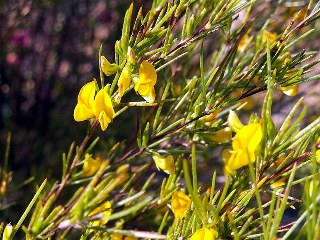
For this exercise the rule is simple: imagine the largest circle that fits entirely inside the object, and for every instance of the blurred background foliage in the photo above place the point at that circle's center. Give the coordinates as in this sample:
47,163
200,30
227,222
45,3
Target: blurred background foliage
49,49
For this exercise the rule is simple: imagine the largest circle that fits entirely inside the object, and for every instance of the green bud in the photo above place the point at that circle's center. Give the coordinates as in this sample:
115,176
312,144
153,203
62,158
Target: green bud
7,232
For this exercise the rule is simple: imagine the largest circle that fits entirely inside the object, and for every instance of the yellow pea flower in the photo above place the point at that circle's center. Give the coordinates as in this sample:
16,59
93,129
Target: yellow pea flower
211,117
124,80
91,165
105,210
89,105
180,203
268,35
108,68
103,109
164,163
147,79
234,122
204,234
84,108
116,236
222,136
290,90
244,42
244,146
277,184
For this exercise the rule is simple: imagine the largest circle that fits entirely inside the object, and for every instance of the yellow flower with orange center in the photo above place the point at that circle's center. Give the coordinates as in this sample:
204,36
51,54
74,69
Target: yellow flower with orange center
180,203
90,105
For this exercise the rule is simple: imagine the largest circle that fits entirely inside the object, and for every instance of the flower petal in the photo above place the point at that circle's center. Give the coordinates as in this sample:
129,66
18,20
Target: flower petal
180,203
204,234
124,80
103,109
86,94
82,112
147,73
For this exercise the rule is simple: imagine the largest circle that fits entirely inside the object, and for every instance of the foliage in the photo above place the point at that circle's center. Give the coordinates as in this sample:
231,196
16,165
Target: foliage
188,68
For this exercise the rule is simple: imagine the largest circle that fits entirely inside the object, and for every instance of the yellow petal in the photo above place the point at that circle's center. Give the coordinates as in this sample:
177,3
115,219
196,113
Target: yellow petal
84,108
103,109
86,94
82,112
204,234
91,165
164,163
290,90
147,79
180,203
104,120
268,35
248,139
105,209
107,67
116,236
151,96
318,155
234,160
147,73
124,80
234,122
277,185
244,42
222,136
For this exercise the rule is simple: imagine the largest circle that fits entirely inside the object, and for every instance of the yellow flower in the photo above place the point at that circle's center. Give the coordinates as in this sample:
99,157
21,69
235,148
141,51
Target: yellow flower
103,109
107,67
244,42
89,105
116,236
105,210
211,117
290,90
91,165
318,155
147,79
180,203
84,107
244,146
124,80
277,184
268,35
204,234
164,163
222,136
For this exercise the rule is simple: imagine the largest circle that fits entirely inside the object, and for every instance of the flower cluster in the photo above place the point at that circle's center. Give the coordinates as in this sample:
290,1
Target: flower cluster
99,105
92,105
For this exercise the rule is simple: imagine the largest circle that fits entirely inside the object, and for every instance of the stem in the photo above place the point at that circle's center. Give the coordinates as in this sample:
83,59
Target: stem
77,156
